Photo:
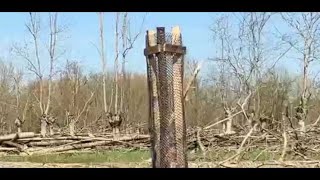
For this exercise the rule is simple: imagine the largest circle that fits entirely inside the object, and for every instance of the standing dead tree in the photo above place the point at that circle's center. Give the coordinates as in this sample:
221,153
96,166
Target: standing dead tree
305,41
73,76
35,65
116,64
167,53
74,118
20,119
128,41
244,57
103,61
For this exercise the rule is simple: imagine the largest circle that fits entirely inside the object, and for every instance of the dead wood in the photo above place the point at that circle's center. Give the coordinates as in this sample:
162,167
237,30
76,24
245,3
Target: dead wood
8,149
17,136
79,145
16,145
50,143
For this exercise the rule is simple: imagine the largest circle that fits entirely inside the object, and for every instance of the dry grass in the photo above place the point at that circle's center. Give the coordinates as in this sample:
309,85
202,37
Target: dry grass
139,159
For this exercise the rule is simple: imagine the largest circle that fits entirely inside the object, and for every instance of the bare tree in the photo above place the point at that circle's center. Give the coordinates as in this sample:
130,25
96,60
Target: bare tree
73,119
128,41
20,119
305,41
243,56
103,61
53,18
34,64
116,70
33,27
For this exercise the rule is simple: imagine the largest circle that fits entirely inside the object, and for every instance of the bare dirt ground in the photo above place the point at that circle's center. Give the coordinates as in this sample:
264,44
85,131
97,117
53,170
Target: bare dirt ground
244,164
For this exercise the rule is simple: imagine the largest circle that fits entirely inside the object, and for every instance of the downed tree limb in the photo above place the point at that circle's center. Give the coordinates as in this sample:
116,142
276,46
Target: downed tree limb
16,145
284,150
202,148
50,143
316,122
8,149
17,136
194,76
68,138
241,146
86,145
221,121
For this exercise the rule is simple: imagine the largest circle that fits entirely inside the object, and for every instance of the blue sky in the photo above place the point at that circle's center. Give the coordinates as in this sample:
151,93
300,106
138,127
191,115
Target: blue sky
83,31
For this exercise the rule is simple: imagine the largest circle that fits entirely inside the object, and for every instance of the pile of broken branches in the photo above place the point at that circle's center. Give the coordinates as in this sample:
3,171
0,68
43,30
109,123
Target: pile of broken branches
31,143
203,139
302,145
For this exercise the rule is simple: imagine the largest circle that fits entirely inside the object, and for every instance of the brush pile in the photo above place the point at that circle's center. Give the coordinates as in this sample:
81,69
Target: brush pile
31,143
197,139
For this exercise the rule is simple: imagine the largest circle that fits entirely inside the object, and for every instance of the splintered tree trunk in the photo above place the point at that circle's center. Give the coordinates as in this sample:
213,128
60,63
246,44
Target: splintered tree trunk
117,130
43,127
116,133
264,125
103,61
228,124
72,127
116,64
18,124
123,72
224,127
303,116
51,132
302,127
304,96
19,129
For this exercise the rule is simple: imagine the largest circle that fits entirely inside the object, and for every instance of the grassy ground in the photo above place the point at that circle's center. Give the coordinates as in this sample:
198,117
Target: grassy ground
95,157
121,156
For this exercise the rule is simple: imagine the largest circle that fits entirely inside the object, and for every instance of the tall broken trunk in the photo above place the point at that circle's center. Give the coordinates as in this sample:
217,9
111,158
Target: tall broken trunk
116,64
18,122
123,71
72,123
227,126
103,61
51,121
72,127
115,121
43,125
301,113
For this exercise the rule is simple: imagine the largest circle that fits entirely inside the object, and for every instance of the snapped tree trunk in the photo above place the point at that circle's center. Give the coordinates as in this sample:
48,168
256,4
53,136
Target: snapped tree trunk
227,126
18,124
51,132
72,125
43,127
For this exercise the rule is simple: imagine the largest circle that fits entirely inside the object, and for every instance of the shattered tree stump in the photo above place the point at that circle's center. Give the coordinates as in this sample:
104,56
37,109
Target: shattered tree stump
164,55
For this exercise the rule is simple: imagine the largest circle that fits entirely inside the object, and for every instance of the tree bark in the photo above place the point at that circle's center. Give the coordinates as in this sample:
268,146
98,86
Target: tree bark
103,61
